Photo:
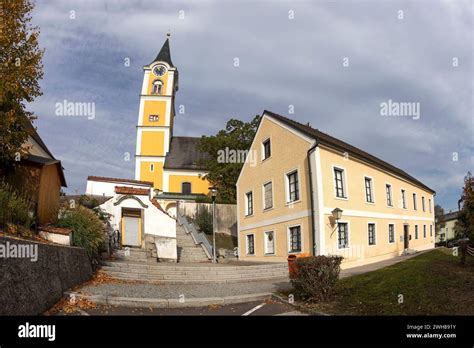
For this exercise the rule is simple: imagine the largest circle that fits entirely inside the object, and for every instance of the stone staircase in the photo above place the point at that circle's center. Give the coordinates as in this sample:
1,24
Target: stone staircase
188,250
138,268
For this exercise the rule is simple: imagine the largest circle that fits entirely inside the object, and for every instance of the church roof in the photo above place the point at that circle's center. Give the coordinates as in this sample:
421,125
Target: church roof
164,55
184,153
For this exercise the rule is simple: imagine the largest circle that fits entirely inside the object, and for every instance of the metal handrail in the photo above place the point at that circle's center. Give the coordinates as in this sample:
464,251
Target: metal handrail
198,236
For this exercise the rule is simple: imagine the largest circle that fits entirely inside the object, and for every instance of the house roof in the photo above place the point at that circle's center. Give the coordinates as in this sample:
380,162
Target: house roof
330,141
184,153
451,216
108,179
164,55
124,190
43,160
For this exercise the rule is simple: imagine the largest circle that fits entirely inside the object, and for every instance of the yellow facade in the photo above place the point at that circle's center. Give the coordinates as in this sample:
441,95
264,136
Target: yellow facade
152,171
289,153
153,143
198,185
156,108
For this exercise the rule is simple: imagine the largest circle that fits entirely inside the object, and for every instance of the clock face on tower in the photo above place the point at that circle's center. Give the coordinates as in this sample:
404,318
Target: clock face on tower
159,70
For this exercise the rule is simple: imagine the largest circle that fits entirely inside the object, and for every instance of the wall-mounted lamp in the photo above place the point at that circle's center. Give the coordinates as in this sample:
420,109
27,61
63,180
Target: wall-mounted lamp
337,214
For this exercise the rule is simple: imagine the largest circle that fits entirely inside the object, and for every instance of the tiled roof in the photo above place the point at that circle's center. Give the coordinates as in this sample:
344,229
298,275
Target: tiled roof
451,216
55,230
123,190
107,179
184,154
326,139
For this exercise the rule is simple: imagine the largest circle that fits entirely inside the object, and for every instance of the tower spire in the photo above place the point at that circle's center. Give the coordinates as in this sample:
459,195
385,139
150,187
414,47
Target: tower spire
165,55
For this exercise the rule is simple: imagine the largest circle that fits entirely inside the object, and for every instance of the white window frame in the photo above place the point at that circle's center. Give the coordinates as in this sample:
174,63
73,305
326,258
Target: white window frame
429,204
375,234
403,194
287,186
394,232
415,201
348,234
372,190
265,234
431,230
424,231
423,204
416,231
263,148
247,244
288,237
247,203
263,195
152,167
345,188
391,194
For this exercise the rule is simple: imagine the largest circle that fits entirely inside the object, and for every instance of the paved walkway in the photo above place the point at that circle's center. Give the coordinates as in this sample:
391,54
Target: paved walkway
377,265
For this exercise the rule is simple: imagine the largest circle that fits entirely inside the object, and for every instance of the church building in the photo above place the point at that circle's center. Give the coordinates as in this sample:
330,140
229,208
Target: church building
169,161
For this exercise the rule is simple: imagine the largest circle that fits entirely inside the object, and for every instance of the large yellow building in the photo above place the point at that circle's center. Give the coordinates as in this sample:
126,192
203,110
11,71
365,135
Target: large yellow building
169,161
289,197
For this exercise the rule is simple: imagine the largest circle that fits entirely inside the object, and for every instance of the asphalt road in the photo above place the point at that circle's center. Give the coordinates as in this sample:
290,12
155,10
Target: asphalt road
270,307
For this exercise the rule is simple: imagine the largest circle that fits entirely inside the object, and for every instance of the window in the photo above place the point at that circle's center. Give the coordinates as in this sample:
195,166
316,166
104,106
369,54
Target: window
404,200
157,87
369,195
269,243
424,231
416,231
249,203
342,235
431,230
250,244
423,203
186,188
391,233
295,239
414,201
429,204
371,230
267,151
339,181
268,195
153,118
152,167
388,189
293,189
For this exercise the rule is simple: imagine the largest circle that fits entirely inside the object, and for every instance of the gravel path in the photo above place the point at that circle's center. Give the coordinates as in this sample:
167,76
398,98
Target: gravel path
172,291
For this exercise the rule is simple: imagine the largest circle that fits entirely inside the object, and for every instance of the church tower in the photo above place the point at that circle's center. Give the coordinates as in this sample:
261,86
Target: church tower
155,117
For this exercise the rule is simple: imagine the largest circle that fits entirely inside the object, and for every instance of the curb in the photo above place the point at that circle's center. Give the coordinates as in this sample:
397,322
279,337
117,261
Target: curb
141,302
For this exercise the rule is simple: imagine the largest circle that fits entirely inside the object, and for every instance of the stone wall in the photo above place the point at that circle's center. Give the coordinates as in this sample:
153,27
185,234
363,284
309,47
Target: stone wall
29,287
226,215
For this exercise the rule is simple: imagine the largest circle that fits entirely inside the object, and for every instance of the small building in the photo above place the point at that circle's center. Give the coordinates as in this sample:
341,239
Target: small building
40,176
447,232
137,215
306,192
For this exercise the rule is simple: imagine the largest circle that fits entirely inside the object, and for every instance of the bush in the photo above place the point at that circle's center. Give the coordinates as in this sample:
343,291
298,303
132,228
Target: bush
88,230
203,219
15,208
316,277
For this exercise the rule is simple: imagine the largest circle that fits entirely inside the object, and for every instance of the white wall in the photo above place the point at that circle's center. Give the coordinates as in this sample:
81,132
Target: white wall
101,188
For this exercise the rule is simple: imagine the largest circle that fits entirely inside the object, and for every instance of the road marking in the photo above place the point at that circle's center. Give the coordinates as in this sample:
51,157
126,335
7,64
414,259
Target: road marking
253,309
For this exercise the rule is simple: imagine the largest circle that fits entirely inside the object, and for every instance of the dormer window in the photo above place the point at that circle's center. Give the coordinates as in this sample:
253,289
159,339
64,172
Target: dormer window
157,87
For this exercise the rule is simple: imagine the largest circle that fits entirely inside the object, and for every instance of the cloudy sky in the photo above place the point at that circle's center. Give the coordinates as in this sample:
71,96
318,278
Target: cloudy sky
290,54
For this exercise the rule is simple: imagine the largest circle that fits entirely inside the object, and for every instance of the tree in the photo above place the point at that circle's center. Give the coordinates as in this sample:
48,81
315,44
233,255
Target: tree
226,151
439,215
20,70
465,223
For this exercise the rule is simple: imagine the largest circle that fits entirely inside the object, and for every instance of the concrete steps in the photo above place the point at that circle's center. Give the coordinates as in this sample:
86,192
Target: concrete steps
181,273
188,251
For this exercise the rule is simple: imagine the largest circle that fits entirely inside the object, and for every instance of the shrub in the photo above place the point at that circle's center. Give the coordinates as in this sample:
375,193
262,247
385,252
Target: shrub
316,277
203,219
88,230
15,208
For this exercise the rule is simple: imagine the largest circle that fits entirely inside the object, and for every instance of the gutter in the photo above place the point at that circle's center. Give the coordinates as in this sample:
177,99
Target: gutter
313,229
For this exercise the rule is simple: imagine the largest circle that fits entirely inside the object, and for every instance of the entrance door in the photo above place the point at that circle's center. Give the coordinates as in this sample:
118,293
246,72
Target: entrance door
406,236
131,229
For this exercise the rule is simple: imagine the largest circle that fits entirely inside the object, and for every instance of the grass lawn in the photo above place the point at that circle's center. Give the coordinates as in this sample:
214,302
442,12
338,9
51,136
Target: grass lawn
433,283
